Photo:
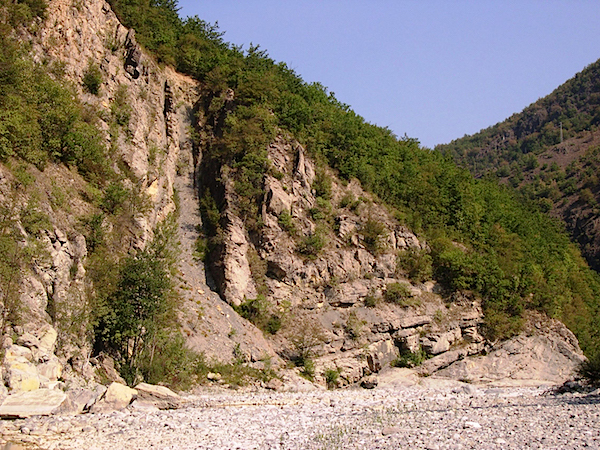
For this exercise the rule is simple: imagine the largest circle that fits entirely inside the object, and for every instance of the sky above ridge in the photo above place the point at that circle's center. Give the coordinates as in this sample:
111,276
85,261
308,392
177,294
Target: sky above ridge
434,70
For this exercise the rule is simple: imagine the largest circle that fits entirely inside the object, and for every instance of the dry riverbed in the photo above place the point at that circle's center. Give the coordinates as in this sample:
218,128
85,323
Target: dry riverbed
434,414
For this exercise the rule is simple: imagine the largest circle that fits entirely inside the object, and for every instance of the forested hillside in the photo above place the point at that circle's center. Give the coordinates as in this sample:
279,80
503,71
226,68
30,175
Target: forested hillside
482,237
549,152
96,146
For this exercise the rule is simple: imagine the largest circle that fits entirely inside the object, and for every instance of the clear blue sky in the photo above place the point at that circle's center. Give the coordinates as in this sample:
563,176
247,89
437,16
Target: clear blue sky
433,69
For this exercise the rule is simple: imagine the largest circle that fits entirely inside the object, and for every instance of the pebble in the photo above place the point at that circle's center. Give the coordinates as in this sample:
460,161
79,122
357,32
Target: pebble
413,417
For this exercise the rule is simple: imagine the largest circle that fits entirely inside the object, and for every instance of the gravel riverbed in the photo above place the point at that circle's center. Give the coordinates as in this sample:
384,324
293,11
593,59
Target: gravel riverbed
427,416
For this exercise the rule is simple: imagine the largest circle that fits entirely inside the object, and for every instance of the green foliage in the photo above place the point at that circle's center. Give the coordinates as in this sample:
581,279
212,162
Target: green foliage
409,359
258,312
115,196
331,377
399,294
354,326
120,108
92,78
322,185
286,222
589,370
40,120
139,307
372,232
310,246
483,237
417,264
371,301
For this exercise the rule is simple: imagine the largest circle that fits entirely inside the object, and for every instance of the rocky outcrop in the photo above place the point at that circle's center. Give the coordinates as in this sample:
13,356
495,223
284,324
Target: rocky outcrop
324,256
40,402
547,353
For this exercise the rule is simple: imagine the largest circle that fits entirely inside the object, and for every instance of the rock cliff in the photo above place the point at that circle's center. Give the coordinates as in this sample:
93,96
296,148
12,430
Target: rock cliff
319,274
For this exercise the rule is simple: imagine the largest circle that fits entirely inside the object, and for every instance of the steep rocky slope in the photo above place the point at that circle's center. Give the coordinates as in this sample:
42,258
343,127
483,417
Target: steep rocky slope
319,273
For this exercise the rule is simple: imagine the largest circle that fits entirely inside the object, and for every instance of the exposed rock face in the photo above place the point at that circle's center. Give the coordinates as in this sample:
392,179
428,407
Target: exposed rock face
328,299
549,353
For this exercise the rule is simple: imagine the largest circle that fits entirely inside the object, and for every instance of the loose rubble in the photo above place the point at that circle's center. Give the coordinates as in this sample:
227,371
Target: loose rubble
434,414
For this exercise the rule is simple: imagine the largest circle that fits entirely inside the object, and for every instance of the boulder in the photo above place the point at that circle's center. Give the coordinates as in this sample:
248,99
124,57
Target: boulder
117,396
380,354
369,382
550,355
51,369
160,396
78,401
441,361
21,376
41,402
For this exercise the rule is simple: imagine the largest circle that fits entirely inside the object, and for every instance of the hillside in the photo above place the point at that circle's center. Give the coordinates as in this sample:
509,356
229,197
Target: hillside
177,210
556,169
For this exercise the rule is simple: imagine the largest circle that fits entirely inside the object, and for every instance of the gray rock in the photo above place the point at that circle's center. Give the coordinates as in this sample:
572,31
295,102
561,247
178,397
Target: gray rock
369,382
380,354
41,402
546,356
161,396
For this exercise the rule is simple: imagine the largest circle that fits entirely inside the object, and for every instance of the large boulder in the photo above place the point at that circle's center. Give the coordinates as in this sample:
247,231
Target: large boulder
159,396
41,402
548,354
20,374
117,396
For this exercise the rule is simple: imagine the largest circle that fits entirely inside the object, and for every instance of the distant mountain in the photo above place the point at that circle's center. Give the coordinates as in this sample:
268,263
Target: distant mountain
551,152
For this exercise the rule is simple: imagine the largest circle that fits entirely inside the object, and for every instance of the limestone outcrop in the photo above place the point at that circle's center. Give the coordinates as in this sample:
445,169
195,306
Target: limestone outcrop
323,260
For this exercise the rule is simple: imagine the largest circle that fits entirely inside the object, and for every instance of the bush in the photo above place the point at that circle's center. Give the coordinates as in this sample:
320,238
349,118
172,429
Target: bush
589,370
256,310
417,264
398,293
331,377
312,245
322,185
410,359
371,301
372,232
92,78
286,222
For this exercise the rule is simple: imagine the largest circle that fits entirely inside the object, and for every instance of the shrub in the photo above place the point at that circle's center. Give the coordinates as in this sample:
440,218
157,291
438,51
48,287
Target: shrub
311,245
331,377
322,185
257,311
372,232
286,222
398,293
354,326
371,301
115,197
589,370
92,78
417,264
410,359
120,109
304,336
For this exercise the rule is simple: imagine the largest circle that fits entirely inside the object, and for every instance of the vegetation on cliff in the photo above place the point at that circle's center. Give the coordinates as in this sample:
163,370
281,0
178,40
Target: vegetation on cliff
482,237
549,151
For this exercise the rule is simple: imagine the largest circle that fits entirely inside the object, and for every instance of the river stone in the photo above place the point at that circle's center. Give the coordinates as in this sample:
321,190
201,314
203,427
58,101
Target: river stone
41,402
